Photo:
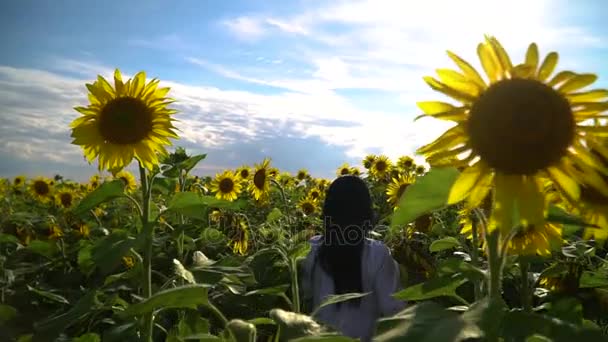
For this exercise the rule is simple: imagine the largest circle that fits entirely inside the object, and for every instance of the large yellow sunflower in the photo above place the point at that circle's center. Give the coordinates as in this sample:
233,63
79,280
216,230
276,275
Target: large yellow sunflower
344,170
518,126
368,161
260,184
397,187
65,198
308,205
226,186
41,189
381,167
128,179
129,120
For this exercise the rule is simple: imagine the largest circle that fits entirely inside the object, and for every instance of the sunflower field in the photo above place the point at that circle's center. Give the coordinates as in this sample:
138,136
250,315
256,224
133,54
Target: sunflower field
500,236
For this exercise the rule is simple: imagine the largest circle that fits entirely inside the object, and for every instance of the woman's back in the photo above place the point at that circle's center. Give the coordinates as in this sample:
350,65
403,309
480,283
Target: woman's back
379,277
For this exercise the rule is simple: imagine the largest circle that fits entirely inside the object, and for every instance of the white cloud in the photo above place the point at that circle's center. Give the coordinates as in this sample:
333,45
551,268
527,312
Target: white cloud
246,28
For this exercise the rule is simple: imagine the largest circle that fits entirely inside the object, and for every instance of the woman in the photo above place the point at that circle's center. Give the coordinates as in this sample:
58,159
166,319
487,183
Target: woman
342,261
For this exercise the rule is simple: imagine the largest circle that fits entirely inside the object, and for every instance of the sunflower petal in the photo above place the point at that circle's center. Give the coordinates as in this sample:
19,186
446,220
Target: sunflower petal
532,56
120,86
590,95
468,70
481,189
506,189
522,71
565,184
139,83
577,82
449,91
458,81
434,107
449,138
465,182
488,62
531,203
561,77
548,65
501,55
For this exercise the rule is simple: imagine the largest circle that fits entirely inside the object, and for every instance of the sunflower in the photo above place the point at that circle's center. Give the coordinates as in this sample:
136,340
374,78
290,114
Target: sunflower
240,239
322,184
94,182
355,171
308,205
128,261
405,163
396,188
420,170
535,240
344,170
382,167
302,175
273,172
314,193
82,230
65,199
215,216
285,179
55,232
368,161
41,189
260,185
128,179
19,181
465,220
129,120
226,186
519,126
244,172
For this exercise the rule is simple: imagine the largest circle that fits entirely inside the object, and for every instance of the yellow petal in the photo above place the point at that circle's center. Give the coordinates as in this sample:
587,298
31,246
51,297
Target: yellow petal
505,193
452,153
453,93
488,62
434,107
501,55
458,81
532,56
118,84
577,82
531,202
590,95
548,65
449,138
560,77
566,185
139,82
481,189
468,70
103,84
522,71
465,183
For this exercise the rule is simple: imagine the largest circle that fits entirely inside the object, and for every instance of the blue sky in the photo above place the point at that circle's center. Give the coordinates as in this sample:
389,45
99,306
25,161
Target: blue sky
309,83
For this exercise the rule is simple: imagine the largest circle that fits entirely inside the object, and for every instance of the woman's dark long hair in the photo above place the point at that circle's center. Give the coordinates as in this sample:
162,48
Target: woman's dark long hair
347,214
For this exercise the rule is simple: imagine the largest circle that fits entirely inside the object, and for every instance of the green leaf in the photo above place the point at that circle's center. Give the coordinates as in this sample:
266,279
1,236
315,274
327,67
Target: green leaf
436,287
189,296
202,338
45,248
90,337
593,279
192,324
49,295
7,238
274,215
85,259
299,251
193,205
325,338
426,322
107,252
50,328
518,325
558,215
242,331
447,242
191,162
275,291
568,309
429,192
7,313
334,299
451,266
106,191
261,321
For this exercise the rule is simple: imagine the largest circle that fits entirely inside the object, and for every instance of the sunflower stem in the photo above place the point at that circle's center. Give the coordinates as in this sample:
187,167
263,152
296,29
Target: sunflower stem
526,297
475,258
148,231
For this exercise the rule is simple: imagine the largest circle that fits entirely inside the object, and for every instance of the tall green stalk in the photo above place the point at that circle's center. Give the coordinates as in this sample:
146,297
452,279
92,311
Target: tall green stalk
148,231
526,296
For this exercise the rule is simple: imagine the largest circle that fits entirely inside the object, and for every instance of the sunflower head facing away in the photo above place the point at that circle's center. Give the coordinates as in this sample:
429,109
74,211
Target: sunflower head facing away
41,189
260,183
523,122
226,186
128,179
129,120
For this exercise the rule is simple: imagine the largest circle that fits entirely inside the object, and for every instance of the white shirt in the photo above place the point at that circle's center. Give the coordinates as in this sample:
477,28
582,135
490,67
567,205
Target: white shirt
380,276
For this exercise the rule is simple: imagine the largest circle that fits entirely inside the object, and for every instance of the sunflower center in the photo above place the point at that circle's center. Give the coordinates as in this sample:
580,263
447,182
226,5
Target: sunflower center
65,199
301,175
314,194
17,181
381,166
259,179
244,173
41,188
226,185
407,163
125,120
344,171
520,126
308,208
